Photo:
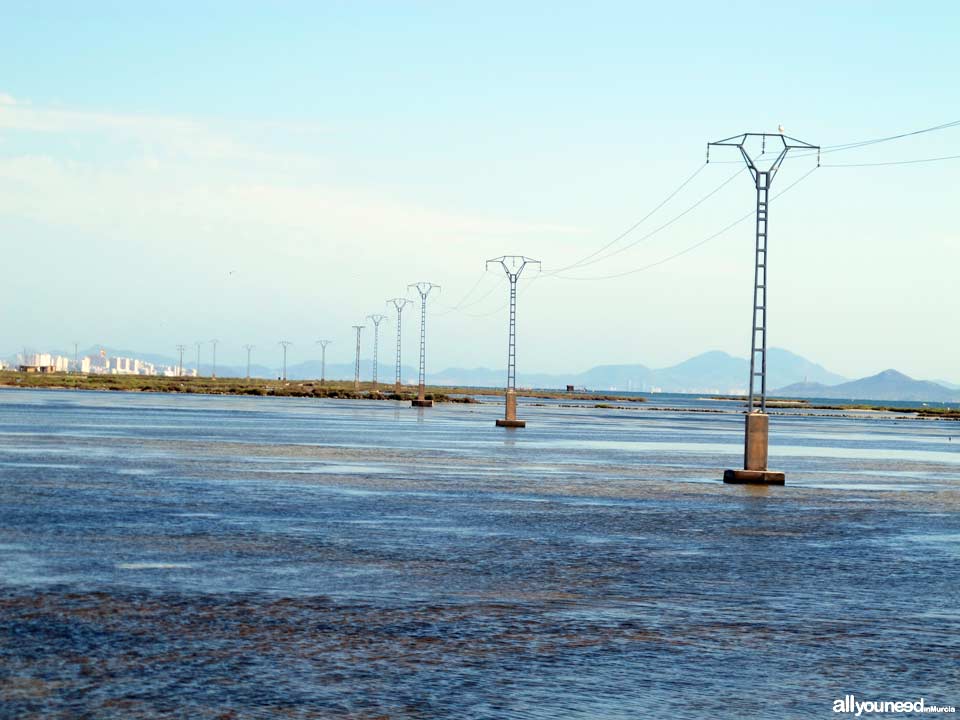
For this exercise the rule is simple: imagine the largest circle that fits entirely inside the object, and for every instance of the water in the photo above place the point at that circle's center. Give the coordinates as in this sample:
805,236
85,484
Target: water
211,557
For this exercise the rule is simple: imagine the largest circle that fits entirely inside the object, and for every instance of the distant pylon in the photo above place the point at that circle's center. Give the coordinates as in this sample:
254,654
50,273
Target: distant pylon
180,349
513,266
356,364
424,289
399,304
248,348
285,344
323,359
757,422
376,319
213,373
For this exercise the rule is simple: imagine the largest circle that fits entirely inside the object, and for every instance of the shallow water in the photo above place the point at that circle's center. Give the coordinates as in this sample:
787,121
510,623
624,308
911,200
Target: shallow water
211,557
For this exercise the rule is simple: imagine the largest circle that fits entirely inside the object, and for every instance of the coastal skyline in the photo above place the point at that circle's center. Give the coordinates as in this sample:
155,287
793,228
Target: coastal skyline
197,189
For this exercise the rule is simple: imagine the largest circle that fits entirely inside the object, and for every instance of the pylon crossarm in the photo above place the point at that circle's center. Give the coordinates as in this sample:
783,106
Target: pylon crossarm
729,142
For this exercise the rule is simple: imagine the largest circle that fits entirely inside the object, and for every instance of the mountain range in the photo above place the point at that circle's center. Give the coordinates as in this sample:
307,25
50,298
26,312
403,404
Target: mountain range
887,385
712,372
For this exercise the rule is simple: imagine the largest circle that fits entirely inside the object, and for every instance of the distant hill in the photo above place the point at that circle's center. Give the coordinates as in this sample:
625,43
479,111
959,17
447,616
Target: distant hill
888,385
710,372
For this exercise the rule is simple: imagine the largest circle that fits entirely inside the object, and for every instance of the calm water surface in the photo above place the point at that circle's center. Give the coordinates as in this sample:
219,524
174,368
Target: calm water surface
206,557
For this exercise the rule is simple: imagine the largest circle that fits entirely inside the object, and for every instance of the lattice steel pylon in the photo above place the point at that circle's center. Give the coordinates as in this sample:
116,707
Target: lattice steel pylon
376,319
424,289
213,372
399,304
356,362
755,445
323,359
285,344
513,266
248,348
180,349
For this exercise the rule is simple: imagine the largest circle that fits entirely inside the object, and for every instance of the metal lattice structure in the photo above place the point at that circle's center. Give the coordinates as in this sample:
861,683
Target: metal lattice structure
399,304
356,363
424,289
213,373
180,349
285,344
198,357
513,266
762,180
323,359
248,348
376,319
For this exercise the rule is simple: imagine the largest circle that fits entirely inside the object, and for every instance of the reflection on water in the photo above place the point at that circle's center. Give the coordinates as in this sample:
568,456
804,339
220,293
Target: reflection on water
213,557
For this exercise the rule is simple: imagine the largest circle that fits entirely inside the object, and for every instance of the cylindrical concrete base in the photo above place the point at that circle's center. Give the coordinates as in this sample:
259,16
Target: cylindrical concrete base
510,423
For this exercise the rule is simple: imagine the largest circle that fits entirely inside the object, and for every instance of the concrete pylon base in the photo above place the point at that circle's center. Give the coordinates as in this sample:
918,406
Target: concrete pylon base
755,442
754,477
421,403
510,414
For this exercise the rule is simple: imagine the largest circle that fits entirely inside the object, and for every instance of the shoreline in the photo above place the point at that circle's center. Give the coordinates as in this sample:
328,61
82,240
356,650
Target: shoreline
259,387
344,390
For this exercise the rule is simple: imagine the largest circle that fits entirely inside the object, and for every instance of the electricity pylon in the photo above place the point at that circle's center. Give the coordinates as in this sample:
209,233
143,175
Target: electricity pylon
198,344
213,373
424,289
399,304
513,266
376,319
756,434
248,348
180,349
323,359
356,362
285,344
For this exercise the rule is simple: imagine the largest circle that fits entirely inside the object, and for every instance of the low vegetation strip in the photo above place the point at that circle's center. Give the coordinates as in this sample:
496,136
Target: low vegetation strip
272,388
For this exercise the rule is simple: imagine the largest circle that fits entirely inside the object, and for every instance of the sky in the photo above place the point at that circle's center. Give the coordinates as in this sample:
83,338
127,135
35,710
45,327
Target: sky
256,172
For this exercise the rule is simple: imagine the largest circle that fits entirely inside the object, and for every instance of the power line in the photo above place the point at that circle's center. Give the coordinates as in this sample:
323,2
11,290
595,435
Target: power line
696,245
462,303
468,293
843,147
894,162
900,136
656,230
638,223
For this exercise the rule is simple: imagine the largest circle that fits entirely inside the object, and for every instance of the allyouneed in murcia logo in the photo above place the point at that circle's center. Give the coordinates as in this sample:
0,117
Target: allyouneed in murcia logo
850,704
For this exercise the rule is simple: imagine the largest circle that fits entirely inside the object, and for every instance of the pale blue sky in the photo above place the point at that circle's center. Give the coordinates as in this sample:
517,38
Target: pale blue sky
330,154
